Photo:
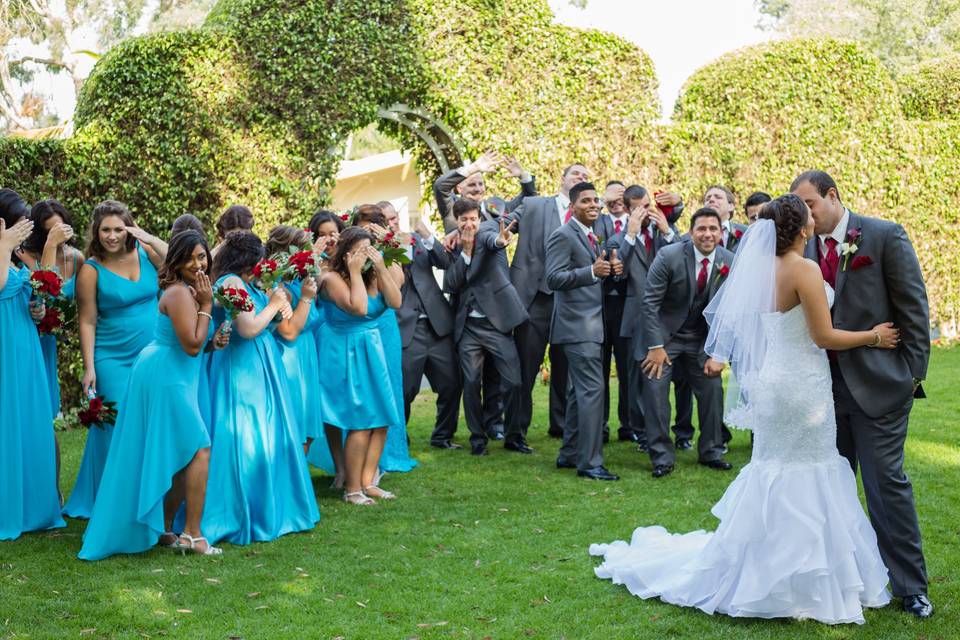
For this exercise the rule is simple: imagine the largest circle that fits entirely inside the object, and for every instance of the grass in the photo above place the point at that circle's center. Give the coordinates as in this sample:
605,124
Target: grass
474,548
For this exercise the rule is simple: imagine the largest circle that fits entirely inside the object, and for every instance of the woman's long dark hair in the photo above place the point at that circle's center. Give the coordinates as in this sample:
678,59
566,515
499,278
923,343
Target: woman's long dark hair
39,214
103,210
237,217
321,217
350,237
282,237
179,253
789,213
239,253
369,214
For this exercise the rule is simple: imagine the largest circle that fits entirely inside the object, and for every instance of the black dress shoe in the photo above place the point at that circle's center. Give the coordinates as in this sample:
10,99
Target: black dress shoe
445,444
662,469
517,445
598,473
555,434
628,437
719,465
683,444
496,435
478,450
563,463
918,605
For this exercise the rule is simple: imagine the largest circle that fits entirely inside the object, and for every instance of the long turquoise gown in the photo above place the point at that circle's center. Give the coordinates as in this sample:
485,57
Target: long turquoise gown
126,318
396,454
28,474
259,485
303,371
159,430
319,454
48,344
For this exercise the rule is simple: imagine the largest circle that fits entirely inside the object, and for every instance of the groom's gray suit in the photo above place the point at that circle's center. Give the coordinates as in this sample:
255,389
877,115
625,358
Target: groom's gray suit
874,388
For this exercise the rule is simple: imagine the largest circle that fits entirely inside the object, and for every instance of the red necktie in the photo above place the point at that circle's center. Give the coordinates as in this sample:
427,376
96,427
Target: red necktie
648,240
702,276
593,241
723,234
830,262
566,218
617,226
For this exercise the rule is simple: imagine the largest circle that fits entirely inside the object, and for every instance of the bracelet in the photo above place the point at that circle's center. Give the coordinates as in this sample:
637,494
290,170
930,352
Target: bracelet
877,340
204,313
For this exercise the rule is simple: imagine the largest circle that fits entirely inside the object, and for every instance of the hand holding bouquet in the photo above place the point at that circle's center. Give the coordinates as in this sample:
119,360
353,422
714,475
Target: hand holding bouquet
98,413
234,301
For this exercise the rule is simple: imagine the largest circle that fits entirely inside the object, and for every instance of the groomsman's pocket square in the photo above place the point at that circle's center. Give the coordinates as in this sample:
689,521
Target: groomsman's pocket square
860,262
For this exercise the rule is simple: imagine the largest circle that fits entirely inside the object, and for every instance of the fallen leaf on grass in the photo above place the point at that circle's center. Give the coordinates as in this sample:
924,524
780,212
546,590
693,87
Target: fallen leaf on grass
253,594
85,632
425,625
213,581
261,607
360,604
184,611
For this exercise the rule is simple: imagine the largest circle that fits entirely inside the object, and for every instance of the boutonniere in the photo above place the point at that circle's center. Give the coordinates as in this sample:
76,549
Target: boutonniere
723,270
737,233
848,248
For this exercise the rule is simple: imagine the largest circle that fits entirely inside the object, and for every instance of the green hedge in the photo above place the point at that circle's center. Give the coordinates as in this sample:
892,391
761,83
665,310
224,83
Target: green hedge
931,91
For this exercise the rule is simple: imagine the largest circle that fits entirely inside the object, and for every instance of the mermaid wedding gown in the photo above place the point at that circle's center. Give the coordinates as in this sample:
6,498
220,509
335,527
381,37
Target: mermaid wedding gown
793,540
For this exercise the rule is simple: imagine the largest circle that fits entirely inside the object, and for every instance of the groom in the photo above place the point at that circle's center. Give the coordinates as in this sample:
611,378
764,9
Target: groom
874,270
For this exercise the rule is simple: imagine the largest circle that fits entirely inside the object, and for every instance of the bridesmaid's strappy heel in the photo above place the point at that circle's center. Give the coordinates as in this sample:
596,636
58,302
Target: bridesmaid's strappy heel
172,545
358,497
209,551
382,495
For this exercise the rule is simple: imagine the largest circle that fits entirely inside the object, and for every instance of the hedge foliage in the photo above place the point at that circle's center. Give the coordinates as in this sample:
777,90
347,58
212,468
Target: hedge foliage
254,108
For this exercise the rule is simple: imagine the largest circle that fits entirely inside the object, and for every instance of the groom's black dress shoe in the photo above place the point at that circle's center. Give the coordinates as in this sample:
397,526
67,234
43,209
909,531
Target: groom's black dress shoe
662,469
445,444
478,450
918,605
629,436
684,443
563,463
517,445
598,473
719,465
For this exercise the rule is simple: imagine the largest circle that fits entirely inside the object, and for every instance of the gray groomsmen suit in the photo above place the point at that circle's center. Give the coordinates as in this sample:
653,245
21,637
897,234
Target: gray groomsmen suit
537,218
673,318
443,193
577,327
426,333
731,239
482,288
873,388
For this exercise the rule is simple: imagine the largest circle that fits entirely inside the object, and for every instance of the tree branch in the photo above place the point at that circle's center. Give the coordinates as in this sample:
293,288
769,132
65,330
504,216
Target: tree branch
50,62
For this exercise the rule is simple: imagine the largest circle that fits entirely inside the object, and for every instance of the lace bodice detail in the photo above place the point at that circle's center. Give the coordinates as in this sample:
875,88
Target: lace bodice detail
793,407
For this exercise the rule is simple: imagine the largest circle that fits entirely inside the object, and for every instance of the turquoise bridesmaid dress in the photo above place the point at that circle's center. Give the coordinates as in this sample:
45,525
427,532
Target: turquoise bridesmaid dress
28,474
319,454
259,486
396,454
303,371
159,430
127,316
48,344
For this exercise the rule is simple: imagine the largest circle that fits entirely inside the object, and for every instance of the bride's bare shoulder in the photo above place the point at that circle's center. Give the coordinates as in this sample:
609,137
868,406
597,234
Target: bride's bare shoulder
794,266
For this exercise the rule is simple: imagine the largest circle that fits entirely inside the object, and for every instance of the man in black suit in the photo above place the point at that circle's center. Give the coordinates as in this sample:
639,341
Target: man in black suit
487,311
426,332
577,264
538,217
682,280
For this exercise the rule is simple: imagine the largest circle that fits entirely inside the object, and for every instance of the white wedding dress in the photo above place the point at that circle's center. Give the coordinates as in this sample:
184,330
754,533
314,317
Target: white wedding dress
793,540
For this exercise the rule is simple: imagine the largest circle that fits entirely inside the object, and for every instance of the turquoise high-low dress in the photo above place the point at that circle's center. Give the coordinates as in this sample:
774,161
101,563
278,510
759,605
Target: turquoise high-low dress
303,370
259,485
126,318
28,476
396,454
48,344
159,430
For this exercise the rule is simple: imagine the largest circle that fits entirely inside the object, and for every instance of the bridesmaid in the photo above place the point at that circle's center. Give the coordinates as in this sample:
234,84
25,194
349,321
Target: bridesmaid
28,482
186,222
296,339
326,228
49,246
259,487
236,218
117,313
160,451
396,455
355,364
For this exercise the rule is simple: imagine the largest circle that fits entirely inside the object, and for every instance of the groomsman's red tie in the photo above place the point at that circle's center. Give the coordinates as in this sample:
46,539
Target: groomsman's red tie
566,218
702,276
648,240
617,226
593,242
830,262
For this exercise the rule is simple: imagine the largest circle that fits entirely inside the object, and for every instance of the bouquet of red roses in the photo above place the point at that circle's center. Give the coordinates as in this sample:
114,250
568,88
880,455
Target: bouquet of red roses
391,250
302,264
98,413
47,288
270,272
46,284
234,301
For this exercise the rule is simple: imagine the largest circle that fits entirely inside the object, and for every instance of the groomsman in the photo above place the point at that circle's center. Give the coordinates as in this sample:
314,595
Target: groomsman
873,389
721,200
753,204
646,233
426,330
577,264
536,219
487,311
682,280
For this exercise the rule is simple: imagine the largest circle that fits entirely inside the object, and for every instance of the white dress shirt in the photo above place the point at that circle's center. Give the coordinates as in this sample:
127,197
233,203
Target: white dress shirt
839,233
586,231
652,226
563,204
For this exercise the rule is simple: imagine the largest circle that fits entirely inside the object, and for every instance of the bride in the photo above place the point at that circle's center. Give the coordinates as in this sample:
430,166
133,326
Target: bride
793,540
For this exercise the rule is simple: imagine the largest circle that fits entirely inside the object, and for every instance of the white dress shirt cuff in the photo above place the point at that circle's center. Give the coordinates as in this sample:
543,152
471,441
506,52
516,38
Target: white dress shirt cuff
630,240
428,242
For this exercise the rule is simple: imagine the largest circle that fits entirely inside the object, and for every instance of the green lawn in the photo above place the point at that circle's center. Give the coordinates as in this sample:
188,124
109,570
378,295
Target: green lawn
474,548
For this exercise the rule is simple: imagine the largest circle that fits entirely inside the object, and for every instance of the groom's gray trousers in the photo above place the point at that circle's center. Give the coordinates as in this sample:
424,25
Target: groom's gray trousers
877,445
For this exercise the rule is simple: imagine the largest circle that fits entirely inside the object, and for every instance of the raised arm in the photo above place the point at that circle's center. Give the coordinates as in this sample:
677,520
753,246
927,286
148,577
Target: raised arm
291,328
350,296
249,324
155,247
187,313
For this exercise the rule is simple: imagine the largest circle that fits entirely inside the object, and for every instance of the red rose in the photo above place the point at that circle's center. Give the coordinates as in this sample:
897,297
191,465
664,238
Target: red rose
417,252
51,321
853,234
860,261
413,241
724,270
737,234
345,217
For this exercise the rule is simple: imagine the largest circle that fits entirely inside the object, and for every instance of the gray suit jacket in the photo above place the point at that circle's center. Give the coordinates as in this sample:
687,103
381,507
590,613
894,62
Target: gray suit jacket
733,241
537,217
486,281
444,195
636,265
578,301
670,289
889,289
420,283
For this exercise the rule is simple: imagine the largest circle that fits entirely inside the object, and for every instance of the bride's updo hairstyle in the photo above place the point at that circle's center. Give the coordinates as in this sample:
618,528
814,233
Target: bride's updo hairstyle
789,213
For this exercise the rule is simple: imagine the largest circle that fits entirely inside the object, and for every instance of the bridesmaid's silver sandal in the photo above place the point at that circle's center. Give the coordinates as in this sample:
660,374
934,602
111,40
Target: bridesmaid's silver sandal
209,551
358,497
382,493
172,545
